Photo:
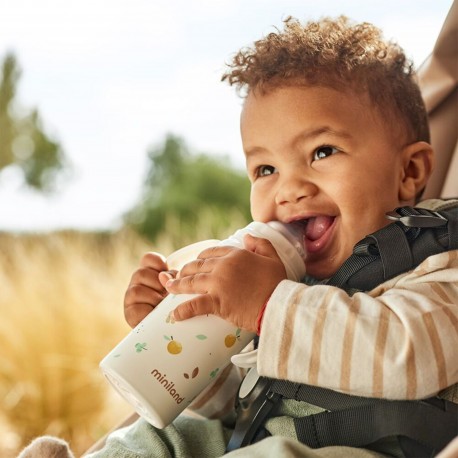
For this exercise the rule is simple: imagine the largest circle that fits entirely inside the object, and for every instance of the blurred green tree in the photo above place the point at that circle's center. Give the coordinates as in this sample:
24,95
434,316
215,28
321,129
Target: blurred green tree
188,190
23,141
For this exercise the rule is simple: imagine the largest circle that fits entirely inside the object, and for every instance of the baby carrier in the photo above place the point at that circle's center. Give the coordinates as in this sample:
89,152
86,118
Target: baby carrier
422,427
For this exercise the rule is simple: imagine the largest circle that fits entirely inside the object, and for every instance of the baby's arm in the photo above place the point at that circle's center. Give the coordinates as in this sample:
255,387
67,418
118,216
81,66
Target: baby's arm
397,341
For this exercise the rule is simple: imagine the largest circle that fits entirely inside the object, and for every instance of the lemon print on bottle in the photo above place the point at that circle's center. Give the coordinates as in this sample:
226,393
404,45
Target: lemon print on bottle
173,347
230,339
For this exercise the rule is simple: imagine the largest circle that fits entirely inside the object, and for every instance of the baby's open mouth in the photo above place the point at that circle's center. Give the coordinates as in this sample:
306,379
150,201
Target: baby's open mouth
317,226
315,231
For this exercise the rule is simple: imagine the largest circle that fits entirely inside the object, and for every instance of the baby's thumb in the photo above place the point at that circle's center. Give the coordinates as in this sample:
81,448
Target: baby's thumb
259,246
167,275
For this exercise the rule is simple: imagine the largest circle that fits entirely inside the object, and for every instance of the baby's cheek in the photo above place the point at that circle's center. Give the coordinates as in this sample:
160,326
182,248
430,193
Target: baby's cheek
262,205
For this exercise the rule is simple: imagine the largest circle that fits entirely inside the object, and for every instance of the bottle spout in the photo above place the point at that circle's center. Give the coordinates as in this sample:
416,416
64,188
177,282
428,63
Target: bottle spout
294,233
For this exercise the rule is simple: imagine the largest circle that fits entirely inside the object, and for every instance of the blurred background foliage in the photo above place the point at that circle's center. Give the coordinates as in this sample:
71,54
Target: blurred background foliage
180,187
23,141
62,292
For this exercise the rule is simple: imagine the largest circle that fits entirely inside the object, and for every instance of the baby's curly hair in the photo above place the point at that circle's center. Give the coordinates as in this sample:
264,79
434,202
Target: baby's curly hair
339,54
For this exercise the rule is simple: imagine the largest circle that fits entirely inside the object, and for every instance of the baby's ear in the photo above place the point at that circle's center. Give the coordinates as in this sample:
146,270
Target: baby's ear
417,165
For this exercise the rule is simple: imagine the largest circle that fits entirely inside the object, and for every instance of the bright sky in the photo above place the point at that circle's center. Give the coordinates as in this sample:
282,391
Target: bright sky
111,78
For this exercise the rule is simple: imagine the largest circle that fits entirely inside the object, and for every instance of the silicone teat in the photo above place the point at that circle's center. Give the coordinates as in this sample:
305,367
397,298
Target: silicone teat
292,232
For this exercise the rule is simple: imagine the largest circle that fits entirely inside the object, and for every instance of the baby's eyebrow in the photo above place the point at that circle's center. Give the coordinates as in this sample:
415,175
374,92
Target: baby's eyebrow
317,131
308,134
253,152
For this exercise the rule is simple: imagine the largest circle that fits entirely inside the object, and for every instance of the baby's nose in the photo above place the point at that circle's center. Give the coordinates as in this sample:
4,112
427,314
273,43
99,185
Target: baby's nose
294,189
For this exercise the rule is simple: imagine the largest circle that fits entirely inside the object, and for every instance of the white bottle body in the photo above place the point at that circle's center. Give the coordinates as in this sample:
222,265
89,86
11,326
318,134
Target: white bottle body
162,365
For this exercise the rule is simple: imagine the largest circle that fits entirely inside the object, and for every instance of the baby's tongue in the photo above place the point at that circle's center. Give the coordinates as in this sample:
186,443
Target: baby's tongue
317,226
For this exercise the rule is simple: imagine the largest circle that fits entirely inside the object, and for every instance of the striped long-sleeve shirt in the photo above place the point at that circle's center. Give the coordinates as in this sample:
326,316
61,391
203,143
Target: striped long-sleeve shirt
398,341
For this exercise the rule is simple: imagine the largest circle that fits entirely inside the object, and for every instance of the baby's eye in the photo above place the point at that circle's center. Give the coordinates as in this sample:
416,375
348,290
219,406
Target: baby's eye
264,170
324,151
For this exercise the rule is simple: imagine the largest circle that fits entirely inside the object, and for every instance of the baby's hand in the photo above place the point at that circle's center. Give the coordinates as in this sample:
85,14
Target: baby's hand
146,288
232,283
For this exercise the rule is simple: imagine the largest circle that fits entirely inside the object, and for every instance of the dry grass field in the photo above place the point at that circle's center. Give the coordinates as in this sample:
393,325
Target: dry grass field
61,299
61,308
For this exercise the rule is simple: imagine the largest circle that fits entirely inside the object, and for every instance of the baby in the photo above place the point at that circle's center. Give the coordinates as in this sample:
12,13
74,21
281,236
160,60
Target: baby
335,135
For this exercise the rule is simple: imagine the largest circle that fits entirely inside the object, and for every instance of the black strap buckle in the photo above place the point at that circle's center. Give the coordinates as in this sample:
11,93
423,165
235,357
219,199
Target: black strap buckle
253,409
411,217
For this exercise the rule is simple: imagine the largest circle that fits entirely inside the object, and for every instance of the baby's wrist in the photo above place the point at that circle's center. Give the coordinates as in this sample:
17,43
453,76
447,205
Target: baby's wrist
261,316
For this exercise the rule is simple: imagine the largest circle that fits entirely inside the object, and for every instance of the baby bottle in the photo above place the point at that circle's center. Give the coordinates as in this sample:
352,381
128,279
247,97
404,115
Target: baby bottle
162,365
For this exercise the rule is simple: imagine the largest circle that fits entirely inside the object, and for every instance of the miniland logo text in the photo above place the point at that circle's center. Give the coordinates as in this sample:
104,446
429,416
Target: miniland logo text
169,386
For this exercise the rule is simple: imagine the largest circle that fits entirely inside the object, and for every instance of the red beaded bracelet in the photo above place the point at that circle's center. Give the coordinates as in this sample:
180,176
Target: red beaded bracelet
261,316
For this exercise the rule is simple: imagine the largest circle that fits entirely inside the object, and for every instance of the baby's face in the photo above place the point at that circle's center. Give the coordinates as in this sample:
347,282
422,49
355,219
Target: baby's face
324,158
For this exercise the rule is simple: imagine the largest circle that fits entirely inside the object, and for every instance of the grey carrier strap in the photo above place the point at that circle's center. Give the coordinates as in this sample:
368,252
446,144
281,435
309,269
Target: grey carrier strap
423,427
415,235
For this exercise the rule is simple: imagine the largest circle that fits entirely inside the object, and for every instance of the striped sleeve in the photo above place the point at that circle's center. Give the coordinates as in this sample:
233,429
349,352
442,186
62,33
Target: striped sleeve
398,341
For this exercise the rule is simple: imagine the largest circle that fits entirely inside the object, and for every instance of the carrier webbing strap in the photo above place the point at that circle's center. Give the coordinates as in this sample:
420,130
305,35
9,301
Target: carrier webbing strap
394,249
416,234
453,232
353,421
433,422
321,397
350,266
420,421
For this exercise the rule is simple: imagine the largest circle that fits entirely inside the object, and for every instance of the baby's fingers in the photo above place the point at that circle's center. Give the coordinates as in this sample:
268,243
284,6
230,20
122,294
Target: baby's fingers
200,305
190,284
154,261
136,313
144,276
137,294
165,276
139,301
